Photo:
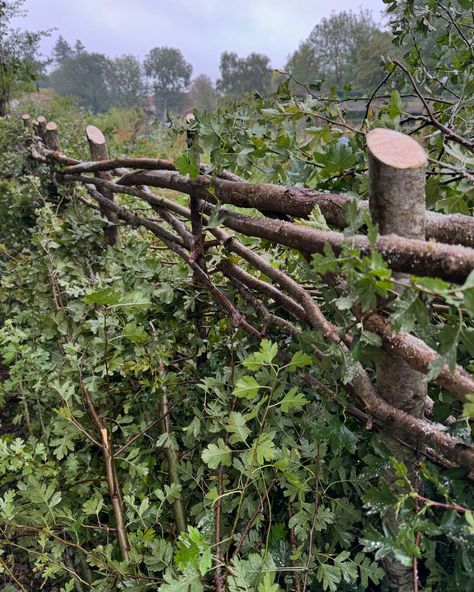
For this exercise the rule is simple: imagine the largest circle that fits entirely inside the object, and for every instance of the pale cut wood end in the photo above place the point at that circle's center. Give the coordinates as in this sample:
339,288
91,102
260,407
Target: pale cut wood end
51,126
40,119
25,117
94,135
396,149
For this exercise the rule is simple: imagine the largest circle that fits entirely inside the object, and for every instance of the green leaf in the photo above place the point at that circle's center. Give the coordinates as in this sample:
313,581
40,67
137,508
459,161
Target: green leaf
262,450
246,387
293,400
299,360
93,505
189,581
237,427
395,106
368,570
216,454
468,409
187,165
329,575
267,585
103,297
135,333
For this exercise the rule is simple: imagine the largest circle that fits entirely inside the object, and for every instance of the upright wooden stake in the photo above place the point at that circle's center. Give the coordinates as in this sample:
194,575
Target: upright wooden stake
98,149
41,126
27,122
397,204
195,205
35,126
51,136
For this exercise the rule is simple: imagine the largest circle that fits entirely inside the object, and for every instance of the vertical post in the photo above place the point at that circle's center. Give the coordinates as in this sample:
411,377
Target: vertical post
51,136
27,122
41,126
195,202
195,205
35,126
397,204
98,149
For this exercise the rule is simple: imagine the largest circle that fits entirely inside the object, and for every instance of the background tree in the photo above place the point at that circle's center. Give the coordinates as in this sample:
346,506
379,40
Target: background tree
331,50
244,75
170,74
84,76
19,64
370,63
203,93
62,50
125,83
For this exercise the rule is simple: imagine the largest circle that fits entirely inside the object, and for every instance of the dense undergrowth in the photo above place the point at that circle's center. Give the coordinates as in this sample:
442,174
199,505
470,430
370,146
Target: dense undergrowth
280,488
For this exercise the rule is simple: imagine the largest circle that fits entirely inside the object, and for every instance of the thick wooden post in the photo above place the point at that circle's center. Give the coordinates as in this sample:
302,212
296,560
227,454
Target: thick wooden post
397,204
35,126
27,122
98,149
51,136
41,126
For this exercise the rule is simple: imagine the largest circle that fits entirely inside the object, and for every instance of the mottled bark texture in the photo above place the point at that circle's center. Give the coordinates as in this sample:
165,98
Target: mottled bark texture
27,122
41,126
98,149
397,204
51,136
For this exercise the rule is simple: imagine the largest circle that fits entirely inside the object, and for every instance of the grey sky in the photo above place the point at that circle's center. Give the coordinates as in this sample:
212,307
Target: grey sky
202,29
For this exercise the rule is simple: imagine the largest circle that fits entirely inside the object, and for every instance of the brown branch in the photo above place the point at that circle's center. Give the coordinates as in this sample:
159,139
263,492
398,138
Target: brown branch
105,444
292,201
391,417
424,258
449,133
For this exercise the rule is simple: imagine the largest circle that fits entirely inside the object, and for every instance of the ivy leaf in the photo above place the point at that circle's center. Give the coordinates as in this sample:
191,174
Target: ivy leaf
216,454
246,387
293,400
237,427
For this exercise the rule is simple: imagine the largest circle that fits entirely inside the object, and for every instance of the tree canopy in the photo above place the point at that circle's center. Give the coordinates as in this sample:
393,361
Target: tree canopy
19,62
170,76
344,49
244,75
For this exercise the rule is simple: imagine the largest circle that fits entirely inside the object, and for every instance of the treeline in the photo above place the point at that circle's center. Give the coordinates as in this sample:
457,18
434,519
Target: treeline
342,51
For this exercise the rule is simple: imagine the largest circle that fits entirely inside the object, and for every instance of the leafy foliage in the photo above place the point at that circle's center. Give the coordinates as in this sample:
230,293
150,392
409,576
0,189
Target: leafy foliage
279,485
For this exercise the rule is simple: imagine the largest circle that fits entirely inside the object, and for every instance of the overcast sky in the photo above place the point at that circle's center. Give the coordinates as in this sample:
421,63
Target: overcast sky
202,29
